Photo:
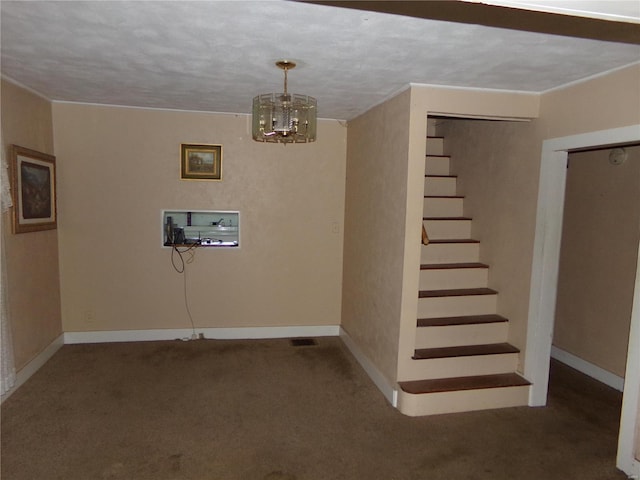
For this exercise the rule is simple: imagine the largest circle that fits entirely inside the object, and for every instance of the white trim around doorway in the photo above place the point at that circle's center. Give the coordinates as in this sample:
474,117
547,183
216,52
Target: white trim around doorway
544,282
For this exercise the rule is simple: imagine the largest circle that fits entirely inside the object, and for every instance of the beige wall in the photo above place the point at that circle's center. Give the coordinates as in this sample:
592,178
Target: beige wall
375,211
119,167
475,103
32,258
495,162
600,233
606,102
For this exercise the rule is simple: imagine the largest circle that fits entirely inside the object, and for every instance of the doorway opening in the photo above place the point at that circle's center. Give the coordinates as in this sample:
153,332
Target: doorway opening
544,284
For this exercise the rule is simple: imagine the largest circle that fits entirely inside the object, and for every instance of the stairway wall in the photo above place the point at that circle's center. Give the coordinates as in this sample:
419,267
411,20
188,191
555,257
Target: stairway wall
374,237
383,209
498,165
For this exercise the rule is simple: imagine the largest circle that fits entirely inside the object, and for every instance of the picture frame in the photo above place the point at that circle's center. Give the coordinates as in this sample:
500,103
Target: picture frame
201,162
33,190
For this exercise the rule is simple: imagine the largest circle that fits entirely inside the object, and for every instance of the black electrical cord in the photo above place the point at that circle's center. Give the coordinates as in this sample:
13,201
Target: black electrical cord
175,250
183,270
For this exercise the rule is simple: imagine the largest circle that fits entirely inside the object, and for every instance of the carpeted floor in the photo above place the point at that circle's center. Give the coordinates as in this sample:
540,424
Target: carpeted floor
267,410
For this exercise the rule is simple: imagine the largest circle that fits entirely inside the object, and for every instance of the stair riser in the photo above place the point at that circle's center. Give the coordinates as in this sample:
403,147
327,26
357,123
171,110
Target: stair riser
461,335
462,401
443,229
435,146
431,128
456,306
440,186
443,207
460,366
436,166
450,253
453,278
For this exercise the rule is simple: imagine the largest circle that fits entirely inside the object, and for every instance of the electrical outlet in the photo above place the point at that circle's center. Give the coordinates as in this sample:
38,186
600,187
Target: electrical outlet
89,317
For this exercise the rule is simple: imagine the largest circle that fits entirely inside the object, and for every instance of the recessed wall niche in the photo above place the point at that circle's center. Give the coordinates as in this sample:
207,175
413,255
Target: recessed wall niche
204,228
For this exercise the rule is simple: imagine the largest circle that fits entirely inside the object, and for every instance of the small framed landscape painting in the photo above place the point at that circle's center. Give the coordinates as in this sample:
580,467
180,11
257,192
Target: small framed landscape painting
201,162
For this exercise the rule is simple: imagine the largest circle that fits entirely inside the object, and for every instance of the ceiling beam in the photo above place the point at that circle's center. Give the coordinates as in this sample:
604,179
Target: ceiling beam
500,17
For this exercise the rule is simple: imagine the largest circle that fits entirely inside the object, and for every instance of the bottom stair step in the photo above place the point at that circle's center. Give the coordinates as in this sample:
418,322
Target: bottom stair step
463,383
462,394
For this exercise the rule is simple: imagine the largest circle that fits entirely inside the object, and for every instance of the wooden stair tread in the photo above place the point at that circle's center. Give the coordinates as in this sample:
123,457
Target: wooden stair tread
452,240
464,351
500,380
462,320
455,292
452,266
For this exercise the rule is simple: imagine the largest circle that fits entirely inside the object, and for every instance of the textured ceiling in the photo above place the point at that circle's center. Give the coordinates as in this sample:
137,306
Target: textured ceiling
216,55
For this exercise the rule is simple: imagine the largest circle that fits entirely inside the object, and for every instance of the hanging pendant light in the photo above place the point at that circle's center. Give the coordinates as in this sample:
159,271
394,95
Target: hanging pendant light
284,117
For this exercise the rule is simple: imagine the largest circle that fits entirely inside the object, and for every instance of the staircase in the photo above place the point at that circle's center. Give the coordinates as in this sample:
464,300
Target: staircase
462,361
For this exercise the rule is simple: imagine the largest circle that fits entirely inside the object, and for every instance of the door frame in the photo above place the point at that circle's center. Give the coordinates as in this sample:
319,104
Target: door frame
544,283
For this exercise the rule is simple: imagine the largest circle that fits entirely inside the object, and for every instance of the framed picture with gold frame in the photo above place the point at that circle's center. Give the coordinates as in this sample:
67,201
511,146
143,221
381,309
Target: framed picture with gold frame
33,190
201,162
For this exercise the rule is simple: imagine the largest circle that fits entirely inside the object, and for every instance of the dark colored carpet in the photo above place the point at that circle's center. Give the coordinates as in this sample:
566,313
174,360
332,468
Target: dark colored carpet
267,410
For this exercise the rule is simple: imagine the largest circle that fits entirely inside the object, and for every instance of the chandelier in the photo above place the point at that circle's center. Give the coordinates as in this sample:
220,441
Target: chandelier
284,117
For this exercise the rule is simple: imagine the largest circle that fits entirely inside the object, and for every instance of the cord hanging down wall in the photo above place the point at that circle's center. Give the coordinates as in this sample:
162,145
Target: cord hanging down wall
186,231
182,269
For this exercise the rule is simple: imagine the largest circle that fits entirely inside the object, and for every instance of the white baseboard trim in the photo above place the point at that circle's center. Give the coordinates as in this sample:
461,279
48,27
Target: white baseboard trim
240,333
634,470
390,393
34,365
587,368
